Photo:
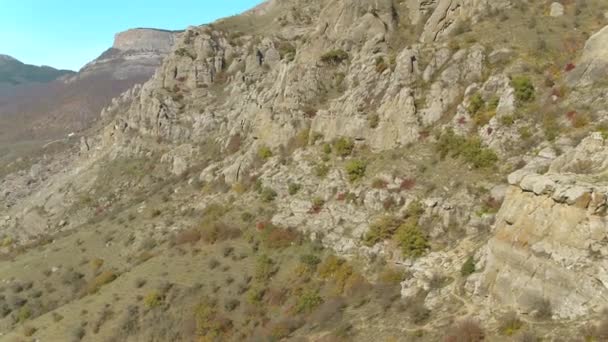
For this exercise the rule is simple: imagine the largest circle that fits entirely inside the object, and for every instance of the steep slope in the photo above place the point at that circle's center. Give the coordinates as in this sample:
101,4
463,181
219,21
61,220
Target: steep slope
350,158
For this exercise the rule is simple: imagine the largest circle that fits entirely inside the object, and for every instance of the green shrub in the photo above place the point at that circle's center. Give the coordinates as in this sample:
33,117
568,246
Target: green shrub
344,147
355,169
209,323
24,314
373,120
507,120
294,188
326,148
524,89
287,51
334,57
255,295
382,229
310,260
551,128
469,148
468,267
509,324
102,279
153,299
321,170
268,194
411,239
264,268
308,300
264,152
476,104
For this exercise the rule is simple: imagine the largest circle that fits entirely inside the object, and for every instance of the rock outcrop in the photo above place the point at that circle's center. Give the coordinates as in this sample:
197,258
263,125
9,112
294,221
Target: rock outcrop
550,240
593,65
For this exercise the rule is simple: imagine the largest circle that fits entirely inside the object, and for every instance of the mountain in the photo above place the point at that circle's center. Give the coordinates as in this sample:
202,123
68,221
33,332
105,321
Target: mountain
135,53
330,170
14,72
73,102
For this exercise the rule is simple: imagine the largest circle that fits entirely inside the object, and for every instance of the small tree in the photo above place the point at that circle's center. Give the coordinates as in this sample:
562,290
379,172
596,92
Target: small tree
524,89
355,169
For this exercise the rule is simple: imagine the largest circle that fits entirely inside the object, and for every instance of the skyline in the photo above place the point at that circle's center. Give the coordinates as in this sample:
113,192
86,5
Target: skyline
67,35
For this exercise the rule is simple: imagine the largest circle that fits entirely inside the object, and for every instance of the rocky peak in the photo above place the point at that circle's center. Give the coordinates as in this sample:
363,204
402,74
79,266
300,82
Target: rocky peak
145,39
136,54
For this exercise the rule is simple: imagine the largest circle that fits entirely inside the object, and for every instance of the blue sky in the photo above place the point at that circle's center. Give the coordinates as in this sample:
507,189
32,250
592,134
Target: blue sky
69,33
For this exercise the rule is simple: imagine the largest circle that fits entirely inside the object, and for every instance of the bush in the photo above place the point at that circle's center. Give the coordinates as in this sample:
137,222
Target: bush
317,205
276,238
524,89
321,170
231,304
153,299
308,300
468,267
542,308
343,147
264,152
208,321
310,260
379,183
391,276
102,279
327,148
373,120
382,229
465,331
509,324
255,295
355,169
213,232
411,239
268,194
24,314
264,268
381,65
294,188
476,103
190,236
470,149
334,57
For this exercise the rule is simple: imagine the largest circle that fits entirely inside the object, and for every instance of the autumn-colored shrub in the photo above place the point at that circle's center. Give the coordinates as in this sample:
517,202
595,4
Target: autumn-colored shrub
100,280
190,236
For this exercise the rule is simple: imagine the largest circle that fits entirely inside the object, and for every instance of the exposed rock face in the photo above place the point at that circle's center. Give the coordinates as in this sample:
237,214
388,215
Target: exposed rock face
450,15
550,239
136,53
593,65
557,10
144,39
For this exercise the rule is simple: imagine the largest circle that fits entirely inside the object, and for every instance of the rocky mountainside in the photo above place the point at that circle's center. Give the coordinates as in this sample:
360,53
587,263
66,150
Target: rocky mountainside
14,72
53,110
344,170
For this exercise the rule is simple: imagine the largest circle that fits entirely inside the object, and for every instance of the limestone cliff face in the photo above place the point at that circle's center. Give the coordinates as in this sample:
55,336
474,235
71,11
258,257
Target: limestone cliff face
144,39
135,54
550,238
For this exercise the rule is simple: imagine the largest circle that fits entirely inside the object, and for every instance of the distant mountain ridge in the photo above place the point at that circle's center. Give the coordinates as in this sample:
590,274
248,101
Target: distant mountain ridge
14,72
68,101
